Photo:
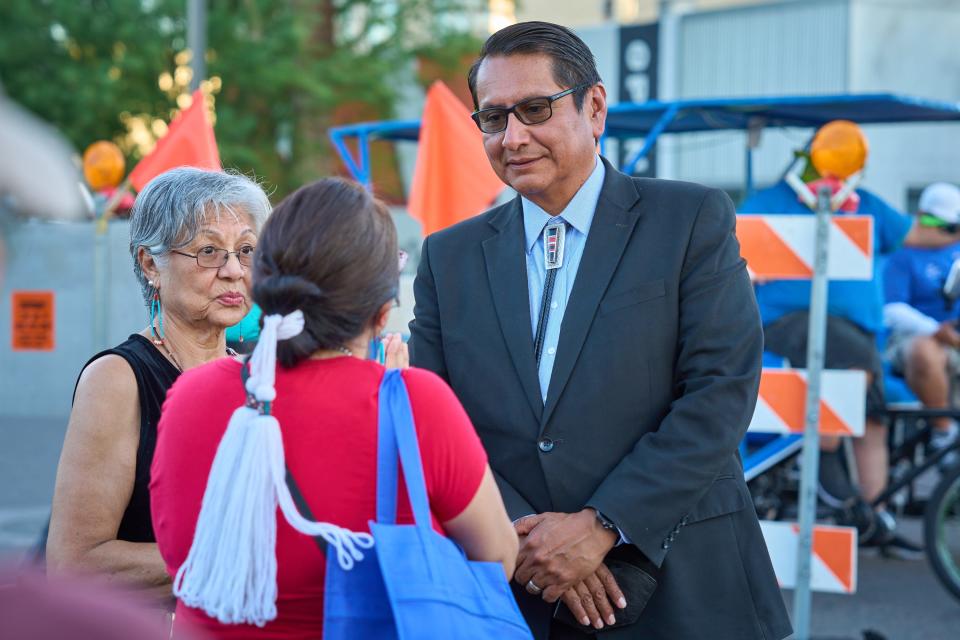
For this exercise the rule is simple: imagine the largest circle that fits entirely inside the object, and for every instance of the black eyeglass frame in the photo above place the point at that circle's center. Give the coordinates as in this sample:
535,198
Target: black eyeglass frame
475,116
226,257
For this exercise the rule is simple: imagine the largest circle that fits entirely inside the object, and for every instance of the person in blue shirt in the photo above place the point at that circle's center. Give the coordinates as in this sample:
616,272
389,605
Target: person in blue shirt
924,343
242,337
854,317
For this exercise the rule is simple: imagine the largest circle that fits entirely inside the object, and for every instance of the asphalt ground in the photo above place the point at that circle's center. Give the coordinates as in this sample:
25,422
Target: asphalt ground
896,599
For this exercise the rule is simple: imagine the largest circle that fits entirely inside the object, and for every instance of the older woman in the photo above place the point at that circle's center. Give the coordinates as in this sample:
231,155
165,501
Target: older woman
192,238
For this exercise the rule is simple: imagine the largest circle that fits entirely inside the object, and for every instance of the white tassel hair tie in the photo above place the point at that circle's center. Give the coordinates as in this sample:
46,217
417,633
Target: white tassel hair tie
231,570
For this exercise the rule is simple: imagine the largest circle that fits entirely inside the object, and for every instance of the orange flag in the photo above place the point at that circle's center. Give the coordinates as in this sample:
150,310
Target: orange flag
452,180
189,142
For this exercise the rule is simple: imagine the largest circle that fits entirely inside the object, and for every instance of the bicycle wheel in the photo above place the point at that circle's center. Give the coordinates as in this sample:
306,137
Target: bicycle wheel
941,530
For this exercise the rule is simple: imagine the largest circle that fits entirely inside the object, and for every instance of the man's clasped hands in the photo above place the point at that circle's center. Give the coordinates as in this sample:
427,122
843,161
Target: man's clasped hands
561,558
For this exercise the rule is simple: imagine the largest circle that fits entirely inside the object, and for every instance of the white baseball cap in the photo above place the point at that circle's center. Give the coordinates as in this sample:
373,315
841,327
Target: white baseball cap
941,199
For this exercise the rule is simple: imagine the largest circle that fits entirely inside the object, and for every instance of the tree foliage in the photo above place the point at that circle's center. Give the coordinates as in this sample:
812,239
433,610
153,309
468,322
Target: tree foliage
287,69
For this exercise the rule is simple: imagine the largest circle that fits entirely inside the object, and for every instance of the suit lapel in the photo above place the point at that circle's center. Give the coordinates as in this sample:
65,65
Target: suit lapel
507,271
611,229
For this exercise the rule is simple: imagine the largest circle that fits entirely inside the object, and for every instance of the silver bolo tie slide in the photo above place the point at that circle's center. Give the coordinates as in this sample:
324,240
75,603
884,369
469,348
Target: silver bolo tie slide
554,239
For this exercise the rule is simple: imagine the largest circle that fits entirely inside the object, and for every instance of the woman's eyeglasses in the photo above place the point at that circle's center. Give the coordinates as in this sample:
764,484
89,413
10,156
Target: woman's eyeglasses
214,258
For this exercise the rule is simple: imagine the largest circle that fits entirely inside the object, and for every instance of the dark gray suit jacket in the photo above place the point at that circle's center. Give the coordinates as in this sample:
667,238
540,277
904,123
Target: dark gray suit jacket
654,384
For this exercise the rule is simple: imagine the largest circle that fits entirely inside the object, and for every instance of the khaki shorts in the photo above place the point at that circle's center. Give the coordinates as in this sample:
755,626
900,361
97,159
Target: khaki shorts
847,346
898,351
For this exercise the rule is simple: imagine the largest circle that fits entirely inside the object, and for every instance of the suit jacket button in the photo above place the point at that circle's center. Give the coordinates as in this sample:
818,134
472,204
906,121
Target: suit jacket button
665,545
545,445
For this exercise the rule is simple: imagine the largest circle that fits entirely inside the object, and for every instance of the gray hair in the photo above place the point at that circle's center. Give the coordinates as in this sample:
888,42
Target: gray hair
170,210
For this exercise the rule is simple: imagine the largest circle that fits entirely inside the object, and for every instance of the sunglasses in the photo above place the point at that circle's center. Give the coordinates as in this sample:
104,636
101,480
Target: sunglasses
534,110
928,220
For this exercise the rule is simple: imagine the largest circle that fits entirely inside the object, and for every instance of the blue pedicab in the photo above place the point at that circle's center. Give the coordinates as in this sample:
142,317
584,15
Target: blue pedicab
765,456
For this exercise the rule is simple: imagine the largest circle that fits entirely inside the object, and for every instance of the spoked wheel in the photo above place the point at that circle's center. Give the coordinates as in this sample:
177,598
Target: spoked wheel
941,528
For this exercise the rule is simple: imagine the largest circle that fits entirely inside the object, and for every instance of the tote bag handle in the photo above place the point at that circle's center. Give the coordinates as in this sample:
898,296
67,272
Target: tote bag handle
396,435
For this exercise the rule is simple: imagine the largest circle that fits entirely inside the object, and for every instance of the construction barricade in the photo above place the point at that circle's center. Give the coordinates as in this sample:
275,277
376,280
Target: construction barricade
783,247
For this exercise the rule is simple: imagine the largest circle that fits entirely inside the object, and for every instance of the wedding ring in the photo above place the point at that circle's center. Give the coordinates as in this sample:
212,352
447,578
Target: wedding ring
534,589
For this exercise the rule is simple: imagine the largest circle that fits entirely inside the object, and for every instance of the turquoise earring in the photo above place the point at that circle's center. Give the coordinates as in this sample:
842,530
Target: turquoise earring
156,315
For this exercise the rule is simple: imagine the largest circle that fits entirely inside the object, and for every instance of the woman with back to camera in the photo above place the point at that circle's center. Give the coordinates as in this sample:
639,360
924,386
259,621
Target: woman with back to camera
192,237
329,251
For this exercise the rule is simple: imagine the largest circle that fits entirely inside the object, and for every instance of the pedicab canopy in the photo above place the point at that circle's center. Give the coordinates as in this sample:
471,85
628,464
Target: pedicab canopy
651,119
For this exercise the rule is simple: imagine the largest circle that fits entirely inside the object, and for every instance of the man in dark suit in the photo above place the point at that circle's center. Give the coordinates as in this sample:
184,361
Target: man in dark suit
603,336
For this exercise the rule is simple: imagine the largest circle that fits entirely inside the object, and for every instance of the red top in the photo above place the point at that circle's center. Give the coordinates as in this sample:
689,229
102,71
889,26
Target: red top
327,411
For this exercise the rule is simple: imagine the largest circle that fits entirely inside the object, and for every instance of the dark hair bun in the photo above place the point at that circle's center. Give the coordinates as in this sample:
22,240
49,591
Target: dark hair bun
330,250
283,293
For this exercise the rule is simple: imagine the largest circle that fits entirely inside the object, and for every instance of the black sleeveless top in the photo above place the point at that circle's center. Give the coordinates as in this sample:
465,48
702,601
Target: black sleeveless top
155,374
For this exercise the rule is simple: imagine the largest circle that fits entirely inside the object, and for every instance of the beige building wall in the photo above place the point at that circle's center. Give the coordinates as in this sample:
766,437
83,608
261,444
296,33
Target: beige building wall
580,13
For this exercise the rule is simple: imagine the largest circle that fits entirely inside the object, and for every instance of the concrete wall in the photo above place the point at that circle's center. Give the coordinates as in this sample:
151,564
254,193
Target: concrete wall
59,257
790,48
604,42
910,47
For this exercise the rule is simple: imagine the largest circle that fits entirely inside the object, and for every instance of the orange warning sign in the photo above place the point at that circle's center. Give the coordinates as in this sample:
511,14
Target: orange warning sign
32,320
781,405
833,567
781,247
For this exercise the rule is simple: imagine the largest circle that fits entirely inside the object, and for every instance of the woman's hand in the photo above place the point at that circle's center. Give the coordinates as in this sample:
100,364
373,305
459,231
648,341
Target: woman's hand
397,354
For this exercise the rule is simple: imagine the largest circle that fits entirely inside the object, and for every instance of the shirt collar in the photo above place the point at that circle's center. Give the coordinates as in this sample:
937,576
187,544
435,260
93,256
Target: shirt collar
578,213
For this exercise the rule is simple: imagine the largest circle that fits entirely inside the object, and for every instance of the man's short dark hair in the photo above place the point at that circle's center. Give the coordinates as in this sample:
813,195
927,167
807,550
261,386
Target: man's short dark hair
573,62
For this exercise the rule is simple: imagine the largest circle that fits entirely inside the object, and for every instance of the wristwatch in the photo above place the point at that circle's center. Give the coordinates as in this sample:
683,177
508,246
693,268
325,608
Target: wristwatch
606,522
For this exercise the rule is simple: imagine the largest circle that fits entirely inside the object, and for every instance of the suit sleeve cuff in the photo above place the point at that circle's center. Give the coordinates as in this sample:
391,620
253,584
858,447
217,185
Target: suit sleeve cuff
622,537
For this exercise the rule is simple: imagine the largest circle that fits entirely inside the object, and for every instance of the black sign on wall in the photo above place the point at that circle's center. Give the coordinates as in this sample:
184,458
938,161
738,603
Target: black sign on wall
638,83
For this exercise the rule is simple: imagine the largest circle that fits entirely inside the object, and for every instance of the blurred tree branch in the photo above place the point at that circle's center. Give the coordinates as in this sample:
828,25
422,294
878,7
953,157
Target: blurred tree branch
287,69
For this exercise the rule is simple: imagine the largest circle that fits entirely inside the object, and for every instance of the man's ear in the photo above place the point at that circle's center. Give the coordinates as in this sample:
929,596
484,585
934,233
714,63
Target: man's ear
148,264
595,104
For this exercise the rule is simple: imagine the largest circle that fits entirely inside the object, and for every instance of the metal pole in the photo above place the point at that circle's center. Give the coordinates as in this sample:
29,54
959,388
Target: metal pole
670,18
197,40
607,7
101,267
754,131
101,279
668,51
816,338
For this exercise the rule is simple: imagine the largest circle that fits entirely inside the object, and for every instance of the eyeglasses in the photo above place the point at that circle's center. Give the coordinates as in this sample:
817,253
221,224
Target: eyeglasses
214,258
530,111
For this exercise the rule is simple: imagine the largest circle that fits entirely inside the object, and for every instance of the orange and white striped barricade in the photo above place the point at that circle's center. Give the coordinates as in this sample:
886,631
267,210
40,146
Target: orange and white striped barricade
833,561
783,394
781,247
818,248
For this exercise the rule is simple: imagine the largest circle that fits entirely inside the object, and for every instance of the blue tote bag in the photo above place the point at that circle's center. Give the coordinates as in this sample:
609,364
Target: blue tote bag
414,584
